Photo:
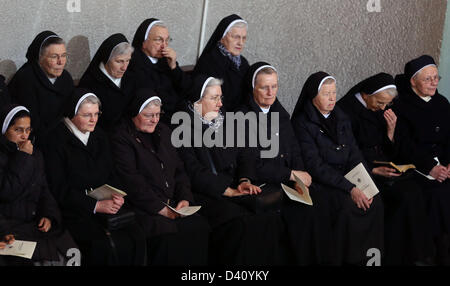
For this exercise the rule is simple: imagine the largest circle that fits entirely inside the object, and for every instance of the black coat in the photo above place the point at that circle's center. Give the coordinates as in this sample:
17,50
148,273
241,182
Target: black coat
370,130
169,85
114,100
73,168
277,169
215,64
327,159
24,194
230,165
25,199
427,124
4,94
151,173
31,88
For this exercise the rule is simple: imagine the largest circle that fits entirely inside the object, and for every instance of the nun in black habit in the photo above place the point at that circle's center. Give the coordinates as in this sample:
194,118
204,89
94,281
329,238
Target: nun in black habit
426,114
308,227
105,77
27,208
78,159
153,65
221,58
329,152
218,176
408,237
153,175
42,84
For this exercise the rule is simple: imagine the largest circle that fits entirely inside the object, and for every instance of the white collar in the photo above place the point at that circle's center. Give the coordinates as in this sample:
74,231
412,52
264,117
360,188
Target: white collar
425,98
83,137
265,110
153,60
52,80
359,97
116,81
326,115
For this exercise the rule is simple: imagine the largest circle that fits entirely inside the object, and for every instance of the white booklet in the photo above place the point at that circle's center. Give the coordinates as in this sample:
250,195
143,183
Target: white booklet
20,248
185,211
361,178
300,194
104,192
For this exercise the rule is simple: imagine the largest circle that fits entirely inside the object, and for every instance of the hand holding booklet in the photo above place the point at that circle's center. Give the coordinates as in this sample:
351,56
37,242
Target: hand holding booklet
185,211
20,248
300,193
104,192
398,168
361,178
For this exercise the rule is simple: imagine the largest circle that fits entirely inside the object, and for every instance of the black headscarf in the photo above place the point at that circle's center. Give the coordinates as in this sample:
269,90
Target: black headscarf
411,68
218,32
139,36
415,65
142,95
309,91
373,84
104,51
197,88
35,48
71,104
5,123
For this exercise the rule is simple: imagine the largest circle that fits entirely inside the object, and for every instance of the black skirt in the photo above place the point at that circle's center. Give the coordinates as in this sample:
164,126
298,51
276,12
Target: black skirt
356,233
51,245
408,235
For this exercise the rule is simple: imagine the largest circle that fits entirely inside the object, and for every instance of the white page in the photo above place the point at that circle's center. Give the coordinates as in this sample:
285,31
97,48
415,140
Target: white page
296,196
185,211
361,178
20,248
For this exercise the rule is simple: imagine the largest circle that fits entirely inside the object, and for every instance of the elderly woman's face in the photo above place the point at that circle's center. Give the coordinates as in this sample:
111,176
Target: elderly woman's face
157,40
426,81
148,119
326,98
118,65
19,131
54,60
378,101
211,102
266,88
234,40
87,117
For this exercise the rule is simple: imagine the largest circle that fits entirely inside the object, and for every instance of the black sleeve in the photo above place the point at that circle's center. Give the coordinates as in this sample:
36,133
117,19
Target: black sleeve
57,169
15,175
203,180
315,165
139,191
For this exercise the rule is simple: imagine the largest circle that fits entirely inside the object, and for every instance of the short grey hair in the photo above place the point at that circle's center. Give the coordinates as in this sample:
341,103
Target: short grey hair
123,48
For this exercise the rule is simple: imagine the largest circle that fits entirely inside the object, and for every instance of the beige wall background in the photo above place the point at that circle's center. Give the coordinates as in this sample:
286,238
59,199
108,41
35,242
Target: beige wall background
298,37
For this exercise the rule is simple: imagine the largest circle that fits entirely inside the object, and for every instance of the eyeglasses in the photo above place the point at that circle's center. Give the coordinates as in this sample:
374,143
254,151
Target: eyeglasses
91,115
238,38
431,79
20,130
160,40
216,98
152,115
384,104
56,57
